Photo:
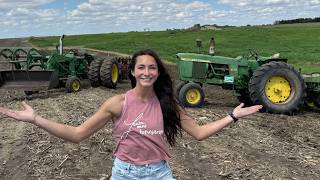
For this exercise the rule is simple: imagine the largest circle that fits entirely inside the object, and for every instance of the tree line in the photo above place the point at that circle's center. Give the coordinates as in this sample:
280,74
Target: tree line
299,20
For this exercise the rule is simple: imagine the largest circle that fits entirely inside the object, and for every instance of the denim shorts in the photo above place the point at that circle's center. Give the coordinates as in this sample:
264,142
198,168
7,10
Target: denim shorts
126,171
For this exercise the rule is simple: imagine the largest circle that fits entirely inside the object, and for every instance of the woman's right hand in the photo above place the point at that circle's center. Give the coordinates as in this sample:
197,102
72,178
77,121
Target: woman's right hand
26,115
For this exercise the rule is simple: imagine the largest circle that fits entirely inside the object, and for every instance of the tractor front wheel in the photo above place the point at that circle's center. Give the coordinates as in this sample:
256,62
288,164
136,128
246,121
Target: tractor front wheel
73,84
191,95
278,87
109,73
178,87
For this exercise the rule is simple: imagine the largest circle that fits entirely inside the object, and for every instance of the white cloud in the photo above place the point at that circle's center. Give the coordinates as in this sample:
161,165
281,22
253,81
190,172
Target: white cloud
183,15
315,2
268,11
30,15
159,14
8,4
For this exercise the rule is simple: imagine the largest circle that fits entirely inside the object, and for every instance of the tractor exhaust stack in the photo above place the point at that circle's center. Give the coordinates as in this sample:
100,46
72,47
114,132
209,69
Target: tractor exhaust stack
61,44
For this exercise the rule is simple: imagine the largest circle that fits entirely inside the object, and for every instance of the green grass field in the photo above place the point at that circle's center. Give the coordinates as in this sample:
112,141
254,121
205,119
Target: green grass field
299,42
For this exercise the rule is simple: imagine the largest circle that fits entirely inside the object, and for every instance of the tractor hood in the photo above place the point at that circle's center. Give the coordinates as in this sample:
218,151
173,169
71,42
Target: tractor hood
209,58
202,57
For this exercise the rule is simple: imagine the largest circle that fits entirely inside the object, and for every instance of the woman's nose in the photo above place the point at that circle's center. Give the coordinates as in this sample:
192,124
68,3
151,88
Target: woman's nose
146,71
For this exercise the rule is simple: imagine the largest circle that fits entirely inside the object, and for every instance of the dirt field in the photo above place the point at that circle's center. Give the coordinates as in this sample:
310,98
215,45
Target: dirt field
261,146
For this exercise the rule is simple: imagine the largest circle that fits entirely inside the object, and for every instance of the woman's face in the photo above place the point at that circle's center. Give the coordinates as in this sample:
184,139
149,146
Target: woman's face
145,70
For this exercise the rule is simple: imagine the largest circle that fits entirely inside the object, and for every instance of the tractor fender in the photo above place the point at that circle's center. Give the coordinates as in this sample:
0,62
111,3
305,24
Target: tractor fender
274,60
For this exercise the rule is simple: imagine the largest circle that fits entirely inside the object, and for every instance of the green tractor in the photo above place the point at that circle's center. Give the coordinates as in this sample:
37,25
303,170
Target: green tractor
32,71
269,81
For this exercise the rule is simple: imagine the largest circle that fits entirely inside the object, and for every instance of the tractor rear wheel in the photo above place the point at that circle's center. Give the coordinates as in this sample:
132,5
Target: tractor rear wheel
178,87
278,87
109,73
94,72
191,95
73,84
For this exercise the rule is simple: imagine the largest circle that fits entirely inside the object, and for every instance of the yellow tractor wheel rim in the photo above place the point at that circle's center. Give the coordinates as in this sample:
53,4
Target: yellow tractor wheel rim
193,96
278,89
114,73
75,85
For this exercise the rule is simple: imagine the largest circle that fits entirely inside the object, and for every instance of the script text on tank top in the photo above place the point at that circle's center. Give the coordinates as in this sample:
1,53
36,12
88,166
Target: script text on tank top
137,123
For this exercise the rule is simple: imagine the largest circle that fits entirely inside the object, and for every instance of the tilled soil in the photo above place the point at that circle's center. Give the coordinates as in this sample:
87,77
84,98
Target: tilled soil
261,146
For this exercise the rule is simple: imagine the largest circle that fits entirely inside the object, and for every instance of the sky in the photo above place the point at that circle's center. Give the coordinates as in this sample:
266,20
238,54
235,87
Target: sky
26,18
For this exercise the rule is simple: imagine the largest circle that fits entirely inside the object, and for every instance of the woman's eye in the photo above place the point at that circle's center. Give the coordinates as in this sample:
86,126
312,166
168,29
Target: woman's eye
153,67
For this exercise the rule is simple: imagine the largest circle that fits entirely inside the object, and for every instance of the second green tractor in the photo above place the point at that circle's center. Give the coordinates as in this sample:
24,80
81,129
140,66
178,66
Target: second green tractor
269,81
32,71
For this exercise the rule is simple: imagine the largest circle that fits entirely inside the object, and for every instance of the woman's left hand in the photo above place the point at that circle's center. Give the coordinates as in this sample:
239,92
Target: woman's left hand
240,111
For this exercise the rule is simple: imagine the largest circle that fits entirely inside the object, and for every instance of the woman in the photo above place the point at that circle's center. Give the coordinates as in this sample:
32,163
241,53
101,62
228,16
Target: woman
144,118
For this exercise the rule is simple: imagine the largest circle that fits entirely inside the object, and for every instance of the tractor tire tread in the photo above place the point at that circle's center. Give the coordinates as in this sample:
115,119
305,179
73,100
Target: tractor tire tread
94,72
106,73
178,87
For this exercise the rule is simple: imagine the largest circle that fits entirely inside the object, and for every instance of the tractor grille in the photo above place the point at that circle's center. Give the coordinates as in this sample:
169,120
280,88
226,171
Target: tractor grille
199,70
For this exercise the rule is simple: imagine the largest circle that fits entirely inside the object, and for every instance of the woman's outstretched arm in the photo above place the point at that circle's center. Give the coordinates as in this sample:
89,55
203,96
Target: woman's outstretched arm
109,110
202,132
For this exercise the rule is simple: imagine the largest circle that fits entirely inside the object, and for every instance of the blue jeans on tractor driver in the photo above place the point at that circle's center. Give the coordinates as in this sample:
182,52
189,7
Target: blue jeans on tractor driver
155,171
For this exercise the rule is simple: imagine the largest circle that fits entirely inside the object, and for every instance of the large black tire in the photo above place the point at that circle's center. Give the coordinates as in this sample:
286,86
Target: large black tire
94,72
191,95
73,84
278,87
178,87
109,73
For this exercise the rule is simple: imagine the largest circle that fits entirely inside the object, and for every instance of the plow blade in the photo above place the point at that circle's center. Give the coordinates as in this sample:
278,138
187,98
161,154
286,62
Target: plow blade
28,80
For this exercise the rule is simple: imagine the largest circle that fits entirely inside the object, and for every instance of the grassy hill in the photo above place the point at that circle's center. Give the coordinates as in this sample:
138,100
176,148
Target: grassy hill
298,42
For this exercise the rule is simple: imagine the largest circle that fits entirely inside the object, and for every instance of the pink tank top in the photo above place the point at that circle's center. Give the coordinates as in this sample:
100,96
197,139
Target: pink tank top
139,132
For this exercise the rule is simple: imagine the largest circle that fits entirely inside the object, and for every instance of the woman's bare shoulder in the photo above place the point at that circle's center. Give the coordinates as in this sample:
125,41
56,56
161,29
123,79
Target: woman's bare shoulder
114,104
115,100
119,98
